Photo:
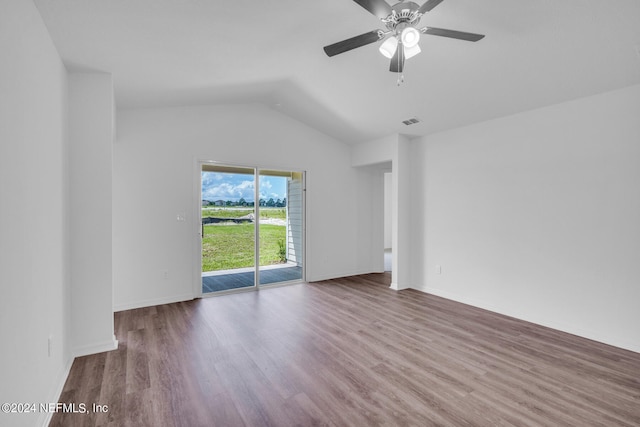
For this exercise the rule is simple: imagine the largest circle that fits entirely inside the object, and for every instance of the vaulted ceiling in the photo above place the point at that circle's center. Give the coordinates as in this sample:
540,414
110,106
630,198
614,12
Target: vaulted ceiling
186,52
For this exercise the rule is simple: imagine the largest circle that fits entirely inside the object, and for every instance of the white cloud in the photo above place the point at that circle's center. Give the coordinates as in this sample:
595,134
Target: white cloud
229,191
265,184
225,186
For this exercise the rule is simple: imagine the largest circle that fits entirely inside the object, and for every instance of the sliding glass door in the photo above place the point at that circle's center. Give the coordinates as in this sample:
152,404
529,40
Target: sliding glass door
228,228
252,227
280,226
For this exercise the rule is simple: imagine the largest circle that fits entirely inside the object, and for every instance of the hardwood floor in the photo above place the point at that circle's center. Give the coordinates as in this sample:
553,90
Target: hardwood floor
348,352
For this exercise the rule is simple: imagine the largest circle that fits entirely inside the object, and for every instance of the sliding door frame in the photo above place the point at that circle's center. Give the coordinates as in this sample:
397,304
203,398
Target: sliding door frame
198,236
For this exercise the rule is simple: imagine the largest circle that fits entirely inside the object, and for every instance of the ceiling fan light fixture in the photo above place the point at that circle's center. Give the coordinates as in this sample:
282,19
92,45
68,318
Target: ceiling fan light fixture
388,48
410,37
410,52
401,38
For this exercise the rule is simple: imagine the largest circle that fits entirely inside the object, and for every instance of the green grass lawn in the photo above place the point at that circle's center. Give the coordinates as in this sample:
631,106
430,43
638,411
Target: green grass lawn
227,246
221,212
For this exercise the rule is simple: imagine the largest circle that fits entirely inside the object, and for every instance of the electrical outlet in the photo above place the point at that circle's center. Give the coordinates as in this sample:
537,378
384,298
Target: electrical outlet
438,269
165,274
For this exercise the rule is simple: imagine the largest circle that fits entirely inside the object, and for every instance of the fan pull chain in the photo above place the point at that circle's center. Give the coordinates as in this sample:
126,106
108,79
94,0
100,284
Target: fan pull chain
401,73
399,81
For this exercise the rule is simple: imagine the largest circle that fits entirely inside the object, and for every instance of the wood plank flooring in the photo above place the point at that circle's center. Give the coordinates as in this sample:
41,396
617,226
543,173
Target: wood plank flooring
348,352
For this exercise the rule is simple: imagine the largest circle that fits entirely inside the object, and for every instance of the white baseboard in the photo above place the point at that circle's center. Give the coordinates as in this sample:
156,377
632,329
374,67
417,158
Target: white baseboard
322,277
570,329
152,302
396,287
56,392
61,379
96,348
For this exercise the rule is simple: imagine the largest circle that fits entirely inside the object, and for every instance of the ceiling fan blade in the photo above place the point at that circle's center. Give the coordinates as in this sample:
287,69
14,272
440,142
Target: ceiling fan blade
380,8
397,62
461,35
428,5
352,43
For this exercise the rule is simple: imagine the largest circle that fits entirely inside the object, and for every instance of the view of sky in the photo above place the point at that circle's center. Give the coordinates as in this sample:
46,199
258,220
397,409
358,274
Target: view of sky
228,186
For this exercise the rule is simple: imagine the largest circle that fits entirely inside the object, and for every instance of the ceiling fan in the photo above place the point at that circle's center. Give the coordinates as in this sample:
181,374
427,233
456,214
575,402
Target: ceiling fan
402,36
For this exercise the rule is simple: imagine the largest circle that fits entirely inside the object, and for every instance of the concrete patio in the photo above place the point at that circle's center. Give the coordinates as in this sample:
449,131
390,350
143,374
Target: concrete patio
224,280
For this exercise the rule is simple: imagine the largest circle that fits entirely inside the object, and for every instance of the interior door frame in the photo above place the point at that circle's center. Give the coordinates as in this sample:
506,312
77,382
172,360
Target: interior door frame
197,235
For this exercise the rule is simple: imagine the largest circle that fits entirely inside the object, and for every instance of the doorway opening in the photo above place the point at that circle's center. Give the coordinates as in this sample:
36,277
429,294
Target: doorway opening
252,227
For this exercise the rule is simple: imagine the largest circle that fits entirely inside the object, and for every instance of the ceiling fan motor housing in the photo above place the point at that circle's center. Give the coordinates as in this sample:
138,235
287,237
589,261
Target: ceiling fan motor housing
404,14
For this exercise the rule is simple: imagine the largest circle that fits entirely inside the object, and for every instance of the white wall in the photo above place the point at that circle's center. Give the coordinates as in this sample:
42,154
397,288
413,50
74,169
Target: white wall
388,195
34,278
91,108
537,216
374,152
371,212
155,179
401,232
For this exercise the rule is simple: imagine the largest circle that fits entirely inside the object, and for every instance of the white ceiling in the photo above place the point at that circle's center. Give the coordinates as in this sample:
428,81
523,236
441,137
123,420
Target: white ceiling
183,52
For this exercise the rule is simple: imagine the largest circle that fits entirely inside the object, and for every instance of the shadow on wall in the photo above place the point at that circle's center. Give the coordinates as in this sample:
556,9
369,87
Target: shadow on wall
284,96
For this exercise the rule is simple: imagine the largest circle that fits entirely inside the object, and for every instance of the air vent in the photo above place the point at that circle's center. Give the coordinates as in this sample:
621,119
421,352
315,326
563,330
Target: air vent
411,121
